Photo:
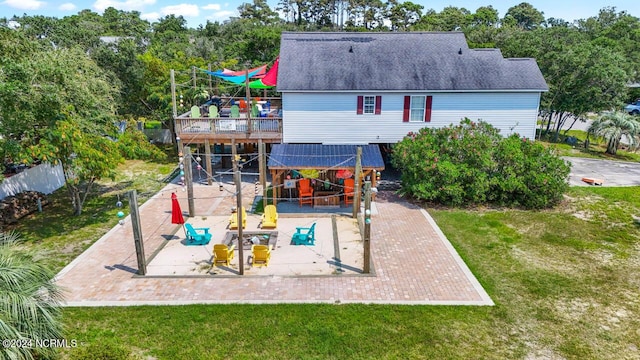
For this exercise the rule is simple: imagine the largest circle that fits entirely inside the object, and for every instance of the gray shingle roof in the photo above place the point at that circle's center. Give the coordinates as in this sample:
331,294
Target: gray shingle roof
437,61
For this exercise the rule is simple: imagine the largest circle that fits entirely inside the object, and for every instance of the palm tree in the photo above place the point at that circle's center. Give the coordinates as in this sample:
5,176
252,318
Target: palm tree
29,301
612,126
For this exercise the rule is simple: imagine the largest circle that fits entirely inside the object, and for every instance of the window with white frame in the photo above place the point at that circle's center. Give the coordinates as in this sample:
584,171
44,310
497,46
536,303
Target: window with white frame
369,106
417,108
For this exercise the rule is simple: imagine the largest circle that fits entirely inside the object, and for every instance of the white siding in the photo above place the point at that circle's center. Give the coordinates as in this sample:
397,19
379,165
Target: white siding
330,118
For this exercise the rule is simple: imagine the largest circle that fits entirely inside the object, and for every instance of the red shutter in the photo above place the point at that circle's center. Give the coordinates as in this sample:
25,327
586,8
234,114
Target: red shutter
427,109
378,105
360,105
407,107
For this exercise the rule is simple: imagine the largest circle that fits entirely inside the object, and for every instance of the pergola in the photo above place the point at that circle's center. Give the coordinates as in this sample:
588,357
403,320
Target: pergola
326,159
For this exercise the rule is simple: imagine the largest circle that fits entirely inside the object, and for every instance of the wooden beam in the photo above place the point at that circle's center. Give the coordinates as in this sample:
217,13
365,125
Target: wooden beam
366,267
188,178
207,159
274,182
356,195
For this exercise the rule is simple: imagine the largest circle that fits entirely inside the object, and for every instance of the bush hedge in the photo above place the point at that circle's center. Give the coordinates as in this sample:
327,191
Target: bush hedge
134,145
472,164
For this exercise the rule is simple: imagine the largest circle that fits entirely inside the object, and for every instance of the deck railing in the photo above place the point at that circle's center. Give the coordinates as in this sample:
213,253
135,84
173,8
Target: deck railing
224,126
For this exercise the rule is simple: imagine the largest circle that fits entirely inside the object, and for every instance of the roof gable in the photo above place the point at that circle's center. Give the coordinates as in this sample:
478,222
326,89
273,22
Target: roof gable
436,61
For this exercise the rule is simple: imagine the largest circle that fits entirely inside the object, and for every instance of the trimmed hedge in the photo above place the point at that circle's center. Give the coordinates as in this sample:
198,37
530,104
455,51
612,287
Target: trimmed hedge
472,164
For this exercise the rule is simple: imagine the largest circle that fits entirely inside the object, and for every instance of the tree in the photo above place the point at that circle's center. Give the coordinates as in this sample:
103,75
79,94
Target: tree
617,31
403,15
121,58
259,12
365,15
57,106
449,19
612,126
85,158
29,301
485,16
43,87
455,18
582,76
524,15
124,23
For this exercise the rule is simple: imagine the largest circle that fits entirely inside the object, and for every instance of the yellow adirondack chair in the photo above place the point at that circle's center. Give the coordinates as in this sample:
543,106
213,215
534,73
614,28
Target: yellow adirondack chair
222,254
261,255
270,217
233,219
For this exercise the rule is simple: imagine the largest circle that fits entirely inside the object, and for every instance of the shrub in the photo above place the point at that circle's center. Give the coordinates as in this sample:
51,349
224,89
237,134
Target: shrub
471,163
134,145
153,124
527,174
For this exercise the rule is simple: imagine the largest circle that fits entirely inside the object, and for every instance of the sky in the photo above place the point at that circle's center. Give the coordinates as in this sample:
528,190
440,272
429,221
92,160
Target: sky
197,12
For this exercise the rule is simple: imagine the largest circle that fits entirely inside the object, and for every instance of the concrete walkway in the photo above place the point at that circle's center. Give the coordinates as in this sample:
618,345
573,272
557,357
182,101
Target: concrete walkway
413,263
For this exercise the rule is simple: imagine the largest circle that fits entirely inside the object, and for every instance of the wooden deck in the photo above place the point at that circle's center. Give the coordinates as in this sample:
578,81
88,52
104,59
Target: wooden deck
197,130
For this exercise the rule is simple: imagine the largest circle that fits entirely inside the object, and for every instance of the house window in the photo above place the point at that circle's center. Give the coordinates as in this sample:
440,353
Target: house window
369,105
416,111
417,108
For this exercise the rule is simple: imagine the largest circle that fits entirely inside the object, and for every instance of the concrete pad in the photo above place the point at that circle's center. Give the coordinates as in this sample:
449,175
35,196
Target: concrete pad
177,259
612,173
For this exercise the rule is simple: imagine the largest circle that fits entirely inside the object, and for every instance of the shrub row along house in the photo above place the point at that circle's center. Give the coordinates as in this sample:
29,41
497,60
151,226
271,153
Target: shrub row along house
340,89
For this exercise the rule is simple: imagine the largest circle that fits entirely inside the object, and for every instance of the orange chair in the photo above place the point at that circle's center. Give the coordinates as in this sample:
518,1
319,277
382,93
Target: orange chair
305,192
348,191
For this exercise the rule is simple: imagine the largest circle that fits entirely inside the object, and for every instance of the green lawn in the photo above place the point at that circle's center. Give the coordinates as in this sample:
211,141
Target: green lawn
565,283
58,237
596,149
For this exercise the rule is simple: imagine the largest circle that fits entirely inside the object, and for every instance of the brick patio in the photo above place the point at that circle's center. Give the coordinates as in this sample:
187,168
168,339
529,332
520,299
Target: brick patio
413,263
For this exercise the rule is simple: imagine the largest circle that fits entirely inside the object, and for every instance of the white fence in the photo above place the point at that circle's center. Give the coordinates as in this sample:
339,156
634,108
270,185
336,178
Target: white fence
44,178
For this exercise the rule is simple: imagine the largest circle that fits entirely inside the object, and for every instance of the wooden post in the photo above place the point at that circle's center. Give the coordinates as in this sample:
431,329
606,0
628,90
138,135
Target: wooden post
207,158
137,232
356,192
262,166
173,94
274,183
188,178
248,96
366,266
238,181
175,111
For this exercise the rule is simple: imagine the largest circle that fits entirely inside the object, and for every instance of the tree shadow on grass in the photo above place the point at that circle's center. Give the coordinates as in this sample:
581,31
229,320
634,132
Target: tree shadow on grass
58,219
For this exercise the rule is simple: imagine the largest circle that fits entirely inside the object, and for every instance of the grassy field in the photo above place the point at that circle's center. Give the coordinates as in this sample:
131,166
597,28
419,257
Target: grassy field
565,283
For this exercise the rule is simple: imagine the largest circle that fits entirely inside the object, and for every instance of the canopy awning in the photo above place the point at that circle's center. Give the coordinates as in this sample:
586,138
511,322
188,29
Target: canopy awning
238,77
318,156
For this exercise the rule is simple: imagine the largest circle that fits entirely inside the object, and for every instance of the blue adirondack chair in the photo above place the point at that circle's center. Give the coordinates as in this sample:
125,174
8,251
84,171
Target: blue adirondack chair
197,236
305,235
